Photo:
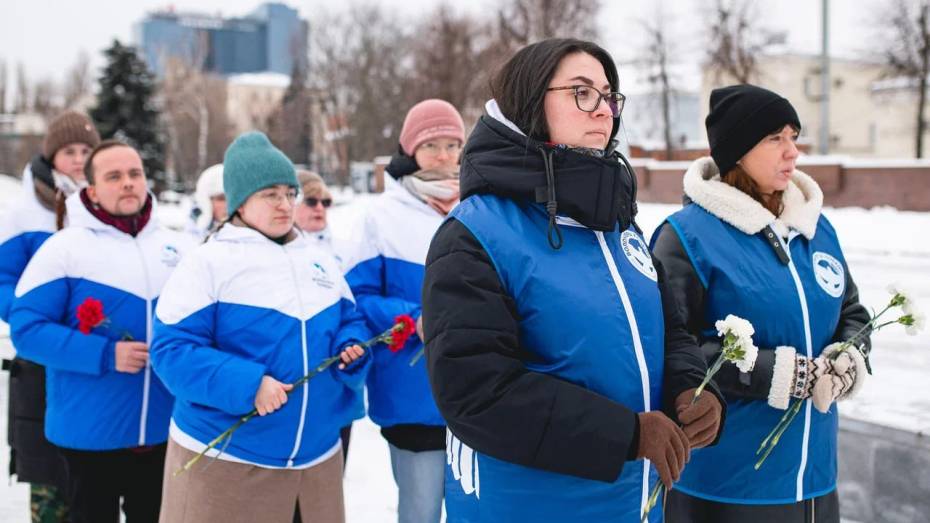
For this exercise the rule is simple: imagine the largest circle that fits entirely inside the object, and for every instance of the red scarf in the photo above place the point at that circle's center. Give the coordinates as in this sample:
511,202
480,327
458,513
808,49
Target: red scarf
130,225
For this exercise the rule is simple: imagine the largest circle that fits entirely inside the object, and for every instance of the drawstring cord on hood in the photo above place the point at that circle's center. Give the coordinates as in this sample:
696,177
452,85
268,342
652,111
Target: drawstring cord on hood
551,203
634,208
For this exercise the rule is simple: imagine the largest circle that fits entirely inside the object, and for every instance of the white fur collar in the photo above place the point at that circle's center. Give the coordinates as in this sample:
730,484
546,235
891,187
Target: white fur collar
803,200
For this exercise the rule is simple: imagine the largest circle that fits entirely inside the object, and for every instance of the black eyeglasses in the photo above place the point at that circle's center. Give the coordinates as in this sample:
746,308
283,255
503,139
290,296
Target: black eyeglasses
311,202
588,99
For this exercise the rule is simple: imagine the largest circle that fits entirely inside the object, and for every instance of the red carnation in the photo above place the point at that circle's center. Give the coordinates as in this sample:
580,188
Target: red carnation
404,327
90,315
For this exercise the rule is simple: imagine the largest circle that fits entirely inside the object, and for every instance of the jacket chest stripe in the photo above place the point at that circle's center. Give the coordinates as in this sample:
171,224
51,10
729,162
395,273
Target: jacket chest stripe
147,378
637,346
303,346
805,314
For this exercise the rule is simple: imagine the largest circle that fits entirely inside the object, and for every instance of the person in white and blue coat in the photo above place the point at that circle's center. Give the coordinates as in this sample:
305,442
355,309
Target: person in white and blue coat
243,317
385,271
752,241
555,353
48,179
106,409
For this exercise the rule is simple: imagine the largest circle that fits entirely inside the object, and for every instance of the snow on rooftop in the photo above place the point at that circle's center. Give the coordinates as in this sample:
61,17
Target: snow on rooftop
264,79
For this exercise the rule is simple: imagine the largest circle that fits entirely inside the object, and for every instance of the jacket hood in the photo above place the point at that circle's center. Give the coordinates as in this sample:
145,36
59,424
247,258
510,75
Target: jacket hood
803,201
499,159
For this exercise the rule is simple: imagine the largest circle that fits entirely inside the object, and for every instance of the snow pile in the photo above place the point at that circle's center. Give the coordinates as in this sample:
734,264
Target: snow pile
881,245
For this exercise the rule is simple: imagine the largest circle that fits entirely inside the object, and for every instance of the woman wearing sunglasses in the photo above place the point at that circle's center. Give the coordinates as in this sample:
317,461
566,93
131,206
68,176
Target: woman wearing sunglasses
555,354
310,216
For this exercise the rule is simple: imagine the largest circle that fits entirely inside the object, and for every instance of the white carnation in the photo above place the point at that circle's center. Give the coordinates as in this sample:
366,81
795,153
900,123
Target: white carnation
749,360
920,322
738,326
743,330
909,304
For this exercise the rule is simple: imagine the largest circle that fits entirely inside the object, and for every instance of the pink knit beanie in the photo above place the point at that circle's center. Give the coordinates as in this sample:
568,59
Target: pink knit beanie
428,120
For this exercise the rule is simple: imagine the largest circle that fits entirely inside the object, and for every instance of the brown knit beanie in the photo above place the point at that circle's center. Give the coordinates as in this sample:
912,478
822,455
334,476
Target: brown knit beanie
69,127
428,120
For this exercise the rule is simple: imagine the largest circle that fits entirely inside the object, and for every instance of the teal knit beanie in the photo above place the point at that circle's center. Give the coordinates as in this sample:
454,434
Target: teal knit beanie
251,164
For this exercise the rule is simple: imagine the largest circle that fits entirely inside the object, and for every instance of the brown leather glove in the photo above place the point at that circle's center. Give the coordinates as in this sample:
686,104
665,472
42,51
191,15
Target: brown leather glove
700,421
663,443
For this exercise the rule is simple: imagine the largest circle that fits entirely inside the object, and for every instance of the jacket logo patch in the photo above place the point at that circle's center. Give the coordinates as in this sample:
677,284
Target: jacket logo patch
829,274
636,251
170,255
320,277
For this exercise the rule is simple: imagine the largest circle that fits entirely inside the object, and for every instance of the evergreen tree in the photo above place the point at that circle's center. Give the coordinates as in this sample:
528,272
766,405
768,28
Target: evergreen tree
126,110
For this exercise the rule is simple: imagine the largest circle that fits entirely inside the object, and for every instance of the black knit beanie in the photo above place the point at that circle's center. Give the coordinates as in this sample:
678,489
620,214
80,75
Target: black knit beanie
740,117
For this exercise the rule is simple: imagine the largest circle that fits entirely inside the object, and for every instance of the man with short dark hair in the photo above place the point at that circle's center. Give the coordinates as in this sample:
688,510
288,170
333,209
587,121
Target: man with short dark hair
105,408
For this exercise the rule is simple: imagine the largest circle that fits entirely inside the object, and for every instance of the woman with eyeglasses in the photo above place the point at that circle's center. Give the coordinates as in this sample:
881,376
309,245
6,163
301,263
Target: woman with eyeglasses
385,272
555,354
241,319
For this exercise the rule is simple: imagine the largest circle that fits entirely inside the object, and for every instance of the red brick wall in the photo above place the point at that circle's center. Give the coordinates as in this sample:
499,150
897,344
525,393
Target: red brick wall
905,187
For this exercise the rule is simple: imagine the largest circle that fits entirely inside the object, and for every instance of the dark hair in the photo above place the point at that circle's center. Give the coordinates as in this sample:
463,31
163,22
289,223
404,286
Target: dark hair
740,179
102,146
520,85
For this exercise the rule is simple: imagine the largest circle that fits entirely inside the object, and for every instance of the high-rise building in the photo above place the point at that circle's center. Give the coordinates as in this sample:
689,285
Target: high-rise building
272,38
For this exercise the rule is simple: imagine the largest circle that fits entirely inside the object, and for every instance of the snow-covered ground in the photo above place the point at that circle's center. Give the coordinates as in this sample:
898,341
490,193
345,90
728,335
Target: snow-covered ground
881,245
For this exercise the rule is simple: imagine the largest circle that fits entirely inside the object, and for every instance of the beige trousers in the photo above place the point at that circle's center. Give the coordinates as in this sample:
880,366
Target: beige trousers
217,491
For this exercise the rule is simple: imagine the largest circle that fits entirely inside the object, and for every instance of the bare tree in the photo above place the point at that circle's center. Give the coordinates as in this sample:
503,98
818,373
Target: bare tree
290,126
190,96
23,93
3,87
78,82
656,57
735,39
525,21
452,58
905,50
44,94
360,62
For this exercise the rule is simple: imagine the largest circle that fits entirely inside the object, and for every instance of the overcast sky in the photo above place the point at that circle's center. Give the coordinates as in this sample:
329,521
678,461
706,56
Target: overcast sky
47,35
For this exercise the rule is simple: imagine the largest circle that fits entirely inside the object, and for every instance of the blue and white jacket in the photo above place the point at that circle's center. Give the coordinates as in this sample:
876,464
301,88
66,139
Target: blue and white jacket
91,406
385,270
733,248
23,229
241,307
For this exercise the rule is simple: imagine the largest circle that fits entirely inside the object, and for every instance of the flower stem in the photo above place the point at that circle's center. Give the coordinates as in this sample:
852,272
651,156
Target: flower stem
709,376
780,429
227,434
417,356
325,364
659,487
653,499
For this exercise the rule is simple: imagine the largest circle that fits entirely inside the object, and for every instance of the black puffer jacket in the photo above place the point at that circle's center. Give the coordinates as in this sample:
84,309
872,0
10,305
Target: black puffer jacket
477,365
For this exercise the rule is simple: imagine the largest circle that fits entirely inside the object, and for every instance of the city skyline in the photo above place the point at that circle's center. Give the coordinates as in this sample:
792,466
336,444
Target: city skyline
90,29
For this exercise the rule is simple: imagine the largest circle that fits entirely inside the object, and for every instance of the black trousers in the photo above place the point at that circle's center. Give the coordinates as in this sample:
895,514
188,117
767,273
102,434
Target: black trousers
682,508
97,480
